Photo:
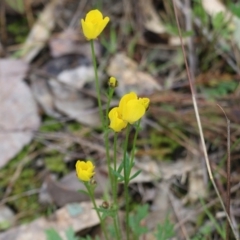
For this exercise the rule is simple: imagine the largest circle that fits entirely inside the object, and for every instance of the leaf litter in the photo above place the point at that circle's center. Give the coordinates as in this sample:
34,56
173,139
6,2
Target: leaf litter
61,81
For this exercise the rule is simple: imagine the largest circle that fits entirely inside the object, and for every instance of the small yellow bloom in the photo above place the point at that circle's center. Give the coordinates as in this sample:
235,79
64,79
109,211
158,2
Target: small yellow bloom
85,170
116,123
94,24
112,82
132,108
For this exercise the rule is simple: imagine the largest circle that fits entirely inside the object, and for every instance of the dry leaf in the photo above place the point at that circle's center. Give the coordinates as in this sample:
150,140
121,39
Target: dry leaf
40,32
77,77
67,189
42,93
18,111
74,104
77,216
151,19
69,42
172,169
63,93
197,187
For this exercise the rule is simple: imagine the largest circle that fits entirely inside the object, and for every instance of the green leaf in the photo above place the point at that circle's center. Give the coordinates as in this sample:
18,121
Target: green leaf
17,5
235,9
135,220
128,166
218,20
165,231
200,12
106,212
70,234
117,174
52,234
120,167
135,174
84,192
85,238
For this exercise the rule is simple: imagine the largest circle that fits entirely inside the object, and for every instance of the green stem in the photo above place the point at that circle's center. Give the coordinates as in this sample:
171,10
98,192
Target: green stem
134,143
115,168
115,187
126,179
91,195
116,226
106,139
97,84
111,176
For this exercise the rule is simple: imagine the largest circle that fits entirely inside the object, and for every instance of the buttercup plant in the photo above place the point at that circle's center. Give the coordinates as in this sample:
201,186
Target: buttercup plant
128,113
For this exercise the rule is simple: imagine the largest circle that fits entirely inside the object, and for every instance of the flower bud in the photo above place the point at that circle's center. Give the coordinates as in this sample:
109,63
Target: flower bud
105,205
112,82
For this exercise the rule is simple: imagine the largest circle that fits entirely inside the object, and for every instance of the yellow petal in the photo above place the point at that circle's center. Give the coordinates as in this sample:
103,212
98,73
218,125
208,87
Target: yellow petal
90,166
94,16
116,123
125,99
89,30
133,111
102,24
84,170
145,102
94,24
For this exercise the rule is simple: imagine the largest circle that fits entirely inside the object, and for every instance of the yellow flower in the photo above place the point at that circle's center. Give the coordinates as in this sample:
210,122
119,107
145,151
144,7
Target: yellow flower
116,123
94,24
130,109
112,82
85,170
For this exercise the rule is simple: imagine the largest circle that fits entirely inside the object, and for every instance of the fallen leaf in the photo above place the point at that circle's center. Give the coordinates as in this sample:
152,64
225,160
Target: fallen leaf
67,189
75,104
152,21
71,41
40,32
197,187
77,216
58,88
42,93
77,77
18,110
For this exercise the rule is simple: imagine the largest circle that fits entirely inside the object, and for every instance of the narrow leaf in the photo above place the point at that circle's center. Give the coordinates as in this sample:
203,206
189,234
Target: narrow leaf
135,174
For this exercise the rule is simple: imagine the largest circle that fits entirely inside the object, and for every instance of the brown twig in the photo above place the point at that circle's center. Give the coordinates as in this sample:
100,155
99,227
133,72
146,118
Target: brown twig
199,123
29,13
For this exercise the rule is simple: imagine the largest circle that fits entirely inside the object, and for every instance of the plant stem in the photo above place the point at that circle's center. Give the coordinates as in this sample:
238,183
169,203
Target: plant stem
115,168
126,179
97,84
106,139
134,143
115,178
91,195
116,226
